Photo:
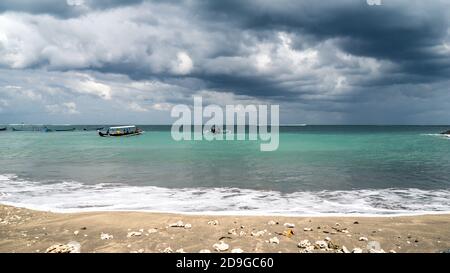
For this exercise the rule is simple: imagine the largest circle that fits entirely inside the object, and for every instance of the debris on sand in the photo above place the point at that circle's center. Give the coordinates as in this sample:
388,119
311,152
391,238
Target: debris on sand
152,230
134,234
180,224
376,251
289,225
307,229
288,233
357,250
304,244
272,223
363,239
177,224
168,250
374,245
332,245
321,245
232,231
345,250
204,251
221,246
342,230
306,250
237,250
71,247
274,240
106,236
213,223
258,233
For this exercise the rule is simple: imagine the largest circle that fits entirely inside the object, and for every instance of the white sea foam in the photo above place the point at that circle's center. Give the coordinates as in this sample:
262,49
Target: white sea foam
71,196
437,135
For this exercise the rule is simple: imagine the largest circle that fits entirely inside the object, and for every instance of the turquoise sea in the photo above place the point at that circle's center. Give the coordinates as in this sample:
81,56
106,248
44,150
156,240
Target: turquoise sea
381,170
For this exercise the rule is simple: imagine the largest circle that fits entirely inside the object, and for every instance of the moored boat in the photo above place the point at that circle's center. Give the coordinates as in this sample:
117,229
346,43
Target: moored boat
129,130
65,130
446,133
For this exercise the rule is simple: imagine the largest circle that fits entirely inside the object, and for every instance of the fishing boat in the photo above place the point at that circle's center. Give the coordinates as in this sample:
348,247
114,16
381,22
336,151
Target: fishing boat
446,133
216,130
65,130
26,127
129,130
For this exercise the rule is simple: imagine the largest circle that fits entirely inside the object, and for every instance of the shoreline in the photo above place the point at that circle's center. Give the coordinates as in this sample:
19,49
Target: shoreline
234,213
24,230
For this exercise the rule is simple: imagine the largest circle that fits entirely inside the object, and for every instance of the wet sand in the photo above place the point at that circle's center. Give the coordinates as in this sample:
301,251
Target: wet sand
23,230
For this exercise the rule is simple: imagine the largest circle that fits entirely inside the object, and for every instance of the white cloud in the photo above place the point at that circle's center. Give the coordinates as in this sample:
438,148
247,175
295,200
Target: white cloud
75,2
135,107
93,88
63,108
143,37
19,42
183,64
162,106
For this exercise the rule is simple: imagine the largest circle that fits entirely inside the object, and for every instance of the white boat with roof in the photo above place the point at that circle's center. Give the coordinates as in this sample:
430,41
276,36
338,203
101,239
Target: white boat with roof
116,131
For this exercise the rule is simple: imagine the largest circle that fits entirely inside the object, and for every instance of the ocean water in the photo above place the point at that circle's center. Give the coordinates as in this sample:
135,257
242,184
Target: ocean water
317,170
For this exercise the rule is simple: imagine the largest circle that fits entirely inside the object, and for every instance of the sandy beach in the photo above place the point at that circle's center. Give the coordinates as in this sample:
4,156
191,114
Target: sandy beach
23,230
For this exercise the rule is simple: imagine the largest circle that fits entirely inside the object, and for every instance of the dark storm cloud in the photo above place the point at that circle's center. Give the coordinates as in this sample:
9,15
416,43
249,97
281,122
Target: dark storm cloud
247,85
404,32
324,56
62,8
55,7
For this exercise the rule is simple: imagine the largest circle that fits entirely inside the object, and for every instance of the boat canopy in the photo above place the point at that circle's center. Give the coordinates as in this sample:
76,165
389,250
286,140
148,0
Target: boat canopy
122,127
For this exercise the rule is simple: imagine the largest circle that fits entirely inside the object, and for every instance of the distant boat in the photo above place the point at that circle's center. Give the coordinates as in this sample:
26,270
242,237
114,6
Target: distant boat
130,130
3,129
216,130
446,133
26,127
65,130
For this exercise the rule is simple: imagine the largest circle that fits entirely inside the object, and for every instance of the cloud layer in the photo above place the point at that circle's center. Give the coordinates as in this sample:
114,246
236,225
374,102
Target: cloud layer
324,62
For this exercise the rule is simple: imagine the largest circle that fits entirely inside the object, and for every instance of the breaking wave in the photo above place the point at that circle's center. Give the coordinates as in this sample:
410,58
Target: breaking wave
72,196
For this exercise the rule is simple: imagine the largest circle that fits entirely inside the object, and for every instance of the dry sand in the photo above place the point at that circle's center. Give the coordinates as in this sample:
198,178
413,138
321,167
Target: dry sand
23,230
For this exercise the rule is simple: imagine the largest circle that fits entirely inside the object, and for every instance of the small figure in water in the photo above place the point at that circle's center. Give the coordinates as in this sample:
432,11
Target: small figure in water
213,129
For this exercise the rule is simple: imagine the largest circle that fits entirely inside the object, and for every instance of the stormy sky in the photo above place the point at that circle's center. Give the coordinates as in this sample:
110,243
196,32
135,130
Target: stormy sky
323,62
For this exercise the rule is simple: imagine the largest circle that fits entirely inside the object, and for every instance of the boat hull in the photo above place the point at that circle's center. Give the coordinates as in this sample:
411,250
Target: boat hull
118,135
